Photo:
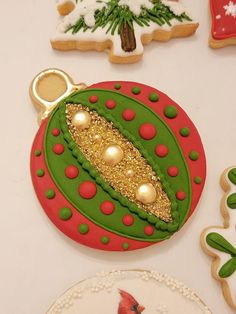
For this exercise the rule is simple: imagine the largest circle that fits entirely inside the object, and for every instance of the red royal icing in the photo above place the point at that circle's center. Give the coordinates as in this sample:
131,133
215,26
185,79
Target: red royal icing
110,104
148,230
87,189
93,99
58,149
107,207
55,132
161,150
147,131
128,220
128,114
173,171
72,172
223,14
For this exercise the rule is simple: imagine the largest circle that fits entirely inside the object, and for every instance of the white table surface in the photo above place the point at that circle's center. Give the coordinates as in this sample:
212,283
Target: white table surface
38,263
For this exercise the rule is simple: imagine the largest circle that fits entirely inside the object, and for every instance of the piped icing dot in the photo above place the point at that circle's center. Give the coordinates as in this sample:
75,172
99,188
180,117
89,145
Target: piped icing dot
117,86
153,97
50,194
161,150
55,132
172,171
148,230
37,152
197,180
83,229
125,246
93,99
71,172
185,132
231,201
87,189
58,149
170,112
180,195
232,175
105,240
193,155
136,90
40,172
147,131
107,207
128,114
128,220
65,213
110,104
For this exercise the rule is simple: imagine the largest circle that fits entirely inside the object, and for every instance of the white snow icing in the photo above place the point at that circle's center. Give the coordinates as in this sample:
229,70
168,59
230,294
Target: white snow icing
175,7
137,5
86,9
230,9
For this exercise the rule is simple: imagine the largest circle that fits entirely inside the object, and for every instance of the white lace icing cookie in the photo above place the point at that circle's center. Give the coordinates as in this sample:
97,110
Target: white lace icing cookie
129,292
120,27
220,242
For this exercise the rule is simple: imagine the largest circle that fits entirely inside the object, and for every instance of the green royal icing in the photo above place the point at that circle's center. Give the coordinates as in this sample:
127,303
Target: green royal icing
232,175
170,112
193,155
185,132
37,153
65,213
90,208
153,97
40,172
117,86
198,180
50,194
136,90
218,242
83,228
231,201
105,240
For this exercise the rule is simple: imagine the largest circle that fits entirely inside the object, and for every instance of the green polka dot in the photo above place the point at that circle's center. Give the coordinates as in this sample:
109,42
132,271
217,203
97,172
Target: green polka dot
65,213
232,176
50,193
37,153
153,97
193,155
125,246
117,86
83,228
40,172
198,180
170,112
136,90
185,132
105,240
231,201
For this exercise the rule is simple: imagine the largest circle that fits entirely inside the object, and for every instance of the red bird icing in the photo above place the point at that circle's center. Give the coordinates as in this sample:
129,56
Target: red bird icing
128,304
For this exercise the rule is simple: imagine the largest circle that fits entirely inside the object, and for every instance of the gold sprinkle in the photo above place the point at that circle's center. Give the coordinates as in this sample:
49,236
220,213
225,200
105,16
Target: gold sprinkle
92,143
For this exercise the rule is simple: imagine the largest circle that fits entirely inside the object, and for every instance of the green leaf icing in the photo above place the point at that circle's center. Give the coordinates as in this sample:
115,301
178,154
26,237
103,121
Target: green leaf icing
231,201
113,17
232,175
218,242
228,268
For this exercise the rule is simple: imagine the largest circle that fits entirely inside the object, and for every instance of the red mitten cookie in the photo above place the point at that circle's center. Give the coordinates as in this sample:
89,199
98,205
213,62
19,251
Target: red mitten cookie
117,165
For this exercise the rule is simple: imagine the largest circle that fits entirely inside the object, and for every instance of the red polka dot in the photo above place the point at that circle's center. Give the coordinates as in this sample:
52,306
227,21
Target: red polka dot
87,189
55,132
161,150
148,230
180,195
107,207
110,104
58,149
173,171
72,172
128,220
147,131
93,99
128,114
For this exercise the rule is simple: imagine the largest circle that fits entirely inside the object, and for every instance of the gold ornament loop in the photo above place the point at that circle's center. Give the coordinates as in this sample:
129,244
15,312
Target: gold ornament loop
48,88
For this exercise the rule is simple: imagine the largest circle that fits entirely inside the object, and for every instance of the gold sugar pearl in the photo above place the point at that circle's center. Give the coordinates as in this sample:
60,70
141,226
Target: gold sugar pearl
130,173
81,120
112,155
146,193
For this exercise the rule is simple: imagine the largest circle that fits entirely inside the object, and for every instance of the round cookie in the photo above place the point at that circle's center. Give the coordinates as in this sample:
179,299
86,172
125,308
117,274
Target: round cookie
114,183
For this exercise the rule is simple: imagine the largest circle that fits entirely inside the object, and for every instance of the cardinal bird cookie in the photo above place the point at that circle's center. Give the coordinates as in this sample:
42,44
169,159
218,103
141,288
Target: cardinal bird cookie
117,165
120,27
223,31
220,242
130,292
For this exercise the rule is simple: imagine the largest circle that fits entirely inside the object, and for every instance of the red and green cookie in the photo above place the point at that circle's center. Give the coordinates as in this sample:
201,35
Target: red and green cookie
80,200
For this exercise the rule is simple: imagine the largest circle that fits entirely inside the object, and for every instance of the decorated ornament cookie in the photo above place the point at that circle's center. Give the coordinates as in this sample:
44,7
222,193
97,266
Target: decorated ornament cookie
220,242
120,27
130,292
117,165
223,31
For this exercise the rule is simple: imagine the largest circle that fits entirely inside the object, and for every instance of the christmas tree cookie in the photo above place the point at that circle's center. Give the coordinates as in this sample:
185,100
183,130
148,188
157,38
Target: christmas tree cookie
120,27
223,31
220,242
117,165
